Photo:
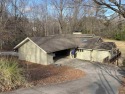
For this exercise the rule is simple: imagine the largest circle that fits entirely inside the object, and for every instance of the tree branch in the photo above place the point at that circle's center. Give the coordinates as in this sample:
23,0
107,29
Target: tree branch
120,10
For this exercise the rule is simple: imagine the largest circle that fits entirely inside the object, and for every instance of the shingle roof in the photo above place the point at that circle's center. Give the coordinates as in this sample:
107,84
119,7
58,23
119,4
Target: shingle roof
53,44
90,43
105,45
62,42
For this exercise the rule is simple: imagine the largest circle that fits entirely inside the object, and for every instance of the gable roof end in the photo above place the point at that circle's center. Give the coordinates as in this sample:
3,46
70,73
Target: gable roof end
21,43
24,41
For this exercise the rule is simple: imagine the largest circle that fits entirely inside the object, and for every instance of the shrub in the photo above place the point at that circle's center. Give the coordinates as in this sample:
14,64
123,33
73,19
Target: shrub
119,35
11,76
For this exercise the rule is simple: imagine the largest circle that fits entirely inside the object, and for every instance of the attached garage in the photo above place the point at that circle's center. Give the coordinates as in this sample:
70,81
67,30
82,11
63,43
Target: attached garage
44,50
32,53
61,54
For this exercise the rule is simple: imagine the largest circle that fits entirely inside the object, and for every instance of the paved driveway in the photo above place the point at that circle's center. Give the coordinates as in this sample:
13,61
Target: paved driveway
99,79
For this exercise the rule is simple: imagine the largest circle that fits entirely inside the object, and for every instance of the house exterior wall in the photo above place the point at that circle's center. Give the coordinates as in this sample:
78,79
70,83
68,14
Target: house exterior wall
83,54
100,55
32,53
50,58
93,55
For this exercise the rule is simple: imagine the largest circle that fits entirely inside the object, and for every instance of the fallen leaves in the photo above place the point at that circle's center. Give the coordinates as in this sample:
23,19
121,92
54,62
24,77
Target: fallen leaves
43,75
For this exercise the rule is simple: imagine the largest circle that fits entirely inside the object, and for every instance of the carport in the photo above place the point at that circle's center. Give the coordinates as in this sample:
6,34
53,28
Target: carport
61,54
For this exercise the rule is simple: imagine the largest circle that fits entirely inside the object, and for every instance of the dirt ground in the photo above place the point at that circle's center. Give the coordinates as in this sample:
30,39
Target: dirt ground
39,74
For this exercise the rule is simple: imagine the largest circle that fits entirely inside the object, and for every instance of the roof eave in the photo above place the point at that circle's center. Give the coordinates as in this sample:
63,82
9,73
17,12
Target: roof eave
61,50
21,43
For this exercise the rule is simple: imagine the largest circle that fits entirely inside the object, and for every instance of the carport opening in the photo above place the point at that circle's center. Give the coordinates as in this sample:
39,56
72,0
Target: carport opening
61,54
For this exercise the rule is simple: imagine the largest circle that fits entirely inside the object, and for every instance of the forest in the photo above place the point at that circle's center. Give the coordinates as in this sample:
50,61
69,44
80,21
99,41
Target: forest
37,18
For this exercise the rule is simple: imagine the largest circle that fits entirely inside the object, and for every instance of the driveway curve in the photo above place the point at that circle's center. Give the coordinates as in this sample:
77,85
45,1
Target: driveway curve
99,79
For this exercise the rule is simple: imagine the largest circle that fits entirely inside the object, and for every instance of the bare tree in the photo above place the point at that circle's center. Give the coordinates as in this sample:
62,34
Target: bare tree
60,6
114,5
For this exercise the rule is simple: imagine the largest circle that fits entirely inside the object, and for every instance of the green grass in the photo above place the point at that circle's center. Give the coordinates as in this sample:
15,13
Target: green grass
11,76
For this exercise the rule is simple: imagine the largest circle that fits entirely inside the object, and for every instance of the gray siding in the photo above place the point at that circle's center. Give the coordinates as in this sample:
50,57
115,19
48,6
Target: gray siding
32,53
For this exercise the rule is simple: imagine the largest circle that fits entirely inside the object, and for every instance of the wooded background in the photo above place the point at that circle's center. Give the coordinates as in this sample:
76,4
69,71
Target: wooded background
29,18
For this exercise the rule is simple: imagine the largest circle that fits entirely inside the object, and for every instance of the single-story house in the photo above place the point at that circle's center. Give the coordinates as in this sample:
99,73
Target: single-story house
45,50
101,52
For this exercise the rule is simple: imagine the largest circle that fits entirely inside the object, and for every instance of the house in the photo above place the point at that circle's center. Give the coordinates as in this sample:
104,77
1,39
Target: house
45,50
99,52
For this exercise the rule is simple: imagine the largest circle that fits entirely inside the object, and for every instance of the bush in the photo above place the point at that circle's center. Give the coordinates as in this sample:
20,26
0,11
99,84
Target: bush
11,76
119,35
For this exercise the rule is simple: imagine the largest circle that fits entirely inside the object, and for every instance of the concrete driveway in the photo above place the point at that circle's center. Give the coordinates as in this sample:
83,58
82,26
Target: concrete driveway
99,79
